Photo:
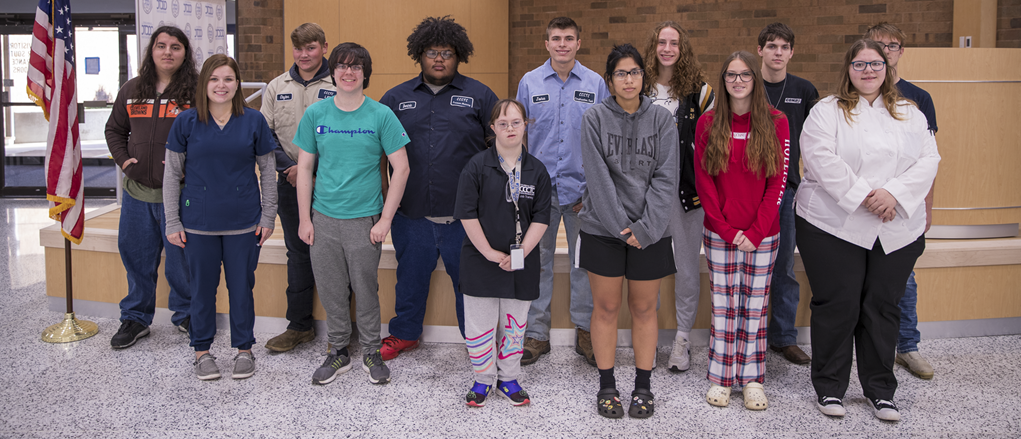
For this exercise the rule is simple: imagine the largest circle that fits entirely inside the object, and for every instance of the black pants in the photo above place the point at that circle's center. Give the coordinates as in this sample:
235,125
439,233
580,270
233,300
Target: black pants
300,280
854,305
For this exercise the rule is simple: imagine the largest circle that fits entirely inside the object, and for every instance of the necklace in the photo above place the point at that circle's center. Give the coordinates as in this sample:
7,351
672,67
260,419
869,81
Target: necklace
221,121
781,93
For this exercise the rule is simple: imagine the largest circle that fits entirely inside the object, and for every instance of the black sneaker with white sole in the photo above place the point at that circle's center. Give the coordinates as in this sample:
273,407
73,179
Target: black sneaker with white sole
373,363
885,409
128,334
831,406
336,363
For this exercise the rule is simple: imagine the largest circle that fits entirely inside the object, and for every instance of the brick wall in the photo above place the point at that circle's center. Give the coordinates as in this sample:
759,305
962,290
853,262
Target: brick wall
717,28
1008,26
260,30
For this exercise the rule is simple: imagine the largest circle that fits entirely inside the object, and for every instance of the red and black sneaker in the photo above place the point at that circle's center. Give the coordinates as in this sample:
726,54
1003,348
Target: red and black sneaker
393,346
513,391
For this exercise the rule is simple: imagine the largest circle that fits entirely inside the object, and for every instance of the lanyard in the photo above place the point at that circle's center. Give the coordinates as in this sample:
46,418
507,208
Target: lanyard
513,192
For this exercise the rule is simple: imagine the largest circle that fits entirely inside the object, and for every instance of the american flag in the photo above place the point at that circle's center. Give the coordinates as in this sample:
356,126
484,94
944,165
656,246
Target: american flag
51,80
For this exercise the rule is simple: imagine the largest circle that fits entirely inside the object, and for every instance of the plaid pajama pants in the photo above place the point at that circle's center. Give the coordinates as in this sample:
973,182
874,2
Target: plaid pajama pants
740,287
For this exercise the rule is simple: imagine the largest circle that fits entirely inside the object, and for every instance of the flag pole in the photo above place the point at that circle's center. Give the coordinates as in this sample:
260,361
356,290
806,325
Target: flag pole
71,329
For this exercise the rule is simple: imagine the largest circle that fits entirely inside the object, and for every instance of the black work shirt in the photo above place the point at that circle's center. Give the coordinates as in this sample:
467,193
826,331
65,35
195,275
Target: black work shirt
482,194
922,99
446,129
795,97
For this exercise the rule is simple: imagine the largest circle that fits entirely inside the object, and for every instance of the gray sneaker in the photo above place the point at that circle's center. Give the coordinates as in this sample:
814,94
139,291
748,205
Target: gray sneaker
244,365
334,365
205,368
378,372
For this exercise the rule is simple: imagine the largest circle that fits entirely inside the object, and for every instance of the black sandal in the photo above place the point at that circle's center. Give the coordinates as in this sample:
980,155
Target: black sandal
642,404
608,403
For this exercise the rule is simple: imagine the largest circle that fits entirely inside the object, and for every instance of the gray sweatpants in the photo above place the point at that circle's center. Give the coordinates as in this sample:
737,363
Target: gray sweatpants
341,254
686,230
486,321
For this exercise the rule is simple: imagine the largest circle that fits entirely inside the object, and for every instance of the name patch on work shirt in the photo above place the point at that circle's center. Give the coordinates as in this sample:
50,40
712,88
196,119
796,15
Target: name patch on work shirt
284,97
584,96
410,105
526,191
792,101
324,93
462,101
539,99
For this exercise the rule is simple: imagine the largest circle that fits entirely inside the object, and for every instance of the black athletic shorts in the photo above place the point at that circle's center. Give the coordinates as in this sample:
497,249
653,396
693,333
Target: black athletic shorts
611,257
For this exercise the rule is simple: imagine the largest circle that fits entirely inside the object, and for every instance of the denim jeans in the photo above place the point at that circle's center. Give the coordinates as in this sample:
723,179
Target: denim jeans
581,293
909,336
300,280
417,244
141,237
784,291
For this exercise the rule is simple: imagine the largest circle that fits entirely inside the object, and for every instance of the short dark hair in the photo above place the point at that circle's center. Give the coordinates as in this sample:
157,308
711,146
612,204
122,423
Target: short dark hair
776,30
563,23
440,31
619,52
351,54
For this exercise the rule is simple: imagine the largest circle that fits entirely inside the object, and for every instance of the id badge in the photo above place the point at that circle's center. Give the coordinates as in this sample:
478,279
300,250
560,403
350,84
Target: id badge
517,255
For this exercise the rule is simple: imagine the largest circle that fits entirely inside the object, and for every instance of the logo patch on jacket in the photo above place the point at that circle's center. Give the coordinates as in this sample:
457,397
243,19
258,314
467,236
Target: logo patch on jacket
324,93
284,97
584,96
409,105
540,99
462,101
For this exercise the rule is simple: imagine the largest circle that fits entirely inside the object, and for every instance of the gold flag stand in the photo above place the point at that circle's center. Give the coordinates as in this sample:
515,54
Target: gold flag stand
71,329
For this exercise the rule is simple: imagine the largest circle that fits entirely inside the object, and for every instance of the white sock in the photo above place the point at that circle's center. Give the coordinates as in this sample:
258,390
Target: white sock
683,335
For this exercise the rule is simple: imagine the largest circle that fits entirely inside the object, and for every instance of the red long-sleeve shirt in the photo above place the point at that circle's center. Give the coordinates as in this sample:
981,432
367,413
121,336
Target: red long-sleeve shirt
737,199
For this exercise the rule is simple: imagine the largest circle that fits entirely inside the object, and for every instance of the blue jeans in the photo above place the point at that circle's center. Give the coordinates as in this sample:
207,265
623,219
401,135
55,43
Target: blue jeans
300,280
784,290
239,255
581,293
141,237
417,244
909,336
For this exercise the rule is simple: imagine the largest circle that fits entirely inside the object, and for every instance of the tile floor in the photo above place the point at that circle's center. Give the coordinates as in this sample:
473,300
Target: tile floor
86,389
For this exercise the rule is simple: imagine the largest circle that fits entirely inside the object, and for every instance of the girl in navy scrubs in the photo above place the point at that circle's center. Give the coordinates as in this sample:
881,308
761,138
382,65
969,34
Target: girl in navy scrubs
503,201
219,216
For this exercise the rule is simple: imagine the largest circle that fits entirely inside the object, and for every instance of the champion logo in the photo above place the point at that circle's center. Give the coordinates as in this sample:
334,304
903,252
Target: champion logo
323,129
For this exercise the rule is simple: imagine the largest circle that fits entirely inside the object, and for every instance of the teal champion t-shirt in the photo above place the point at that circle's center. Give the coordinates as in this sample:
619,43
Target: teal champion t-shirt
349,145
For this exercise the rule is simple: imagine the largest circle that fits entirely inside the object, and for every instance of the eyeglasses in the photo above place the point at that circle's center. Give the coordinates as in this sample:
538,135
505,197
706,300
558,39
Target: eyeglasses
432,54
354,67
892,46
877,66
745,76
502,125
621,74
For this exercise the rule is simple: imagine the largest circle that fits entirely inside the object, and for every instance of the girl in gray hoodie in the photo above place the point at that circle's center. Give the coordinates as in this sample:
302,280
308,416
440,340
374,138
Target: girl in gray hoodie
629,151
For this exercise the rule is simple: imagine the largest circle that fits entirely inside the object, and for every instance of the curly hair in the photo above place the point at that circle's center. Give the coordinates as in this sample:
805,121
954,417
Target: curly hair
182,85
442,31
687,76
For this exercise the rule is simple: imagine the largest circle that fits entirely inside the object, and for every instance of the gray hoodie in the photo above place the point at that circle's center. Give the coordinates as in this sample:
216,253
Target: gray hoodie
631,171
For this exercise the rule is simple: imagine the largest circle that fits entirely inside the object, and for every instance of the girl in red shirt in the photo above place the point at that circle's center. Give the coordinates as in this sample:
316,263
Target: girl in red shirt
741,171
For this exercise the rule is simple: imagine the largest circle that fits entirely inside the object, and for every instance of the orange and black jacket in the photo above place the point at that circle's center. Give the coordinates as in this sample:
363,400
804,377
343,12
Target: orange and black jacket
138,129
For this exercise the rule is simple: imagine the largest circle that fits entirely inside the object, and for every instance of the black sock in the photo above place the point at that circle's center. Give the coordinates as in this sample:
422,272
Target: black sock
343,352
606,379
643,378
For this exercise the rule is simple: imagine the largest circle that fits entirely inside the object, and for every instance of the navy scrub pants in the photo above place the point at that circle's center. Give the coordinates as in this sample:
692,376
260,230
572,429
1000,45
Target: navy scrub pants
240,256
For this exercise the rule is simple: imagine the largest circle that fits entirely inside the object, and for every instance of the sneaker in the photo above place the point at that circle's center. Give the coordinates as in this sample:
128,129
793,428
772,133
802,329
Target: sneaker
885,410
393,346
477,395
185,325
831,406
290,339
335,364
533,349
378,372
513,391
128,334
916,364
205,368
244,365
583,345
680,355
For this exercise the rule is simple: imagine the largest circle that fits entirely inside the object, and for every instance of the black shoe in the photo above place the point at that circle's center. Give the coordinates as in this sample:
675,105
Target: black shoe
885,409
831,406
185,325
128,334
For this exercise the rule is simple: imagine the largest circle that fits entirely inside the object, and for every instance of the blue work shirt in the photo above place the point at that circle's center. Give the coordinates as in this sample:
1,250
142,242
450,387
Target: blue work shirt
556,108
446,130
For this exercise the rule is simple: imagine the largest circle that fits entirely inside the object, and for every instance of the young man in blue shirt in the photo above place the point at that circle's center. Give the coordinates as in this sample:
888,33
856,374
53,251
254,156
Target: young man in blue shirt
892,39
446,116
556,95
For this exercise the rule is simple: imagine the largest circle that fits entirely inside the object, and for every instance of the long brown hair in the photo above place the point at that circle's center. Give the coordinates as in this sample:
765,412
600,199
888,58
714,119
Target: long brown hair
762,150
848,96
687,77
214,62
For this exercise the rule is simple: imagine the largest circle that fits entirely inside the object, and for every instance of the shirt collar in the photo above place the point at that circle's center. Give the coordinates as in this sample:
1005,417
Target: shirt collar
547,69
492,161
324,71
457,82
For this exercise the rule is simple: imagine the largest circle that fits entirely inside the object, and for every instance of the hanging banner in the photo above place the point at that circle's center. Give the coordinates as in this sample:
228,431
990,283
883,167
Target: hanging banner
204,22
